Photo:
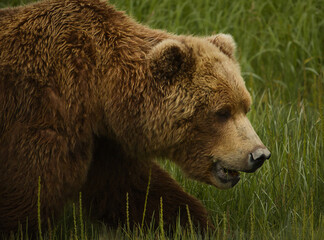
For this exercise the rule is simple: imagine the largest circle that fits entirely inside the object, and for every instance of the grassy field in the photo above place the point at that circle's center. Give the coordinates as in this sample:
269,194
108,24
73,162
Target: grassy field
280,48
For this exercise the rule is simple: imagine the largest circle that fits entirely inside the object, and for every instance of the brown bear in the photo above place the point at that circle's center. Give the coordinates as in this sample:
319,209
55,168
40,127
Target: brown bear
88,99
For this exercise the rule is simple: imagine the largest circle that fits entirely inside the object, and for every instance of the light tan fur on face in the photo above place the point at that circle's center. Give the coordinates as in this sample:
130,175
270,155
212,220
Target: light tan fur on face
237,144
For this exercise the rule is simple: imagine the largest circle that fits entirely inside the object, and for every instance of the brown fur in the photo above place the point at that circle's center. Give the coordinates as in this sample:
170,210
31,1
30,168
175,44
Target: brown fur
88,98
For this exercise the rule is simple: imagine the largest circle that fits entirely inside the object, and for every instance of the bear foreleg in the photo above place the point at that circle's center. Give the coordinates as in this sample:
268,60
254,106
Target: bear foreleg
116,190
38,163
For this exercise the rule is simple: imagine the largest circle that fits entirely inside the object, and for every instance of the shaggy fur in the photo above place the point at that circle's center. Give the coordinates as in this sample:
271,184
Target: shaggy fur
88,98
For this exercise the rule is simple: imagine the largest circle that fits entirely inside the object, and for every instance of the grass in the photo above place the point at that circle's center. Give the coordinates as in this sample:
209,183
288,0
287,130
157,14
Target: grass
280,49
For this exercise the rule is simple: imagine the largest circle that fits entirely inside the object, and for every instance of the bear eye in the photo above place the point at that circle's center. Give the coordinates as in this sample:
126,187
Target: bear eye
224,113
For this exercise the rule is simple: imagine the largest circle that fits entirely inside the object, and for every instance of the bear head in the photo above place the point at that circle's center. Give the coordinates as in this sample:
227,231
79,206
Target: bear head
202,109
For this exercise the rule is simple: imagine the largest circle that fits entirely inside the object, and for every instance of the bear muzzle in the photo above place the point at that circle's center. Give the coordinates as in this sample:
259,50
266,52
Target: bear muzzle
229,176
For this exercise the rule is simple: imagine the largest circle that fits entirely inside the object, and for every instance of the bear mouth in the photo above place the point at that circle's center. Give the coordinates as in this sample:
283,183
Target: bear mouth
226,175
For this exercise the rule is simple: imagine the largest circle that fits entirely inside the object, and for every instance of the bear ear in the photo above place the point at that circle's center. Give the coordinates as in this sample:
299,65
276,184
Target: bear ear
167,59
225,43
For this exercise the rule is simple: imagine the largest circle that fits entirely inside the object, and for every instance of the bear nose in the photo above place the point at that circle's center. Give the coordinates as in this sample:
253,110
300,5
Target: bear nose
257,158
261,154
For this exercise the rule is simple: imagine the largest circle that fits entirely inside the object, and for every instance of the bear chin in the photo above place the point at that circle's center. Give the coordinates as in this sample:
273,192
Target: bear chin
227,178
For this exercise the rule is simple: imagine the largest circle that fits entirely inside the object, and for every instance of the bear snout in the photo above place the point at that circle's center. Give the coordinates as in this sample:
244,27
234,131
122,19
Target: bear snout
257,158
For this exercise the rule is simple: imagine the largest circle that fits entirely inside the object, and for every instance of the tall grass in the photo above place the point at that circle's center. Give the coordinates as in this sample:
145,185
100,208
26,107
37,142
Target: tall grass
280,48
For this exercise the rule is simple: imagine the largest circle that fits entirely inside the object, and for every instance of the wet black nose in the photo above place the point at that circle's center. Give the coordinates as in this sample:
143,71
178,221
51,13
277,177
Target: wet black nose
257,158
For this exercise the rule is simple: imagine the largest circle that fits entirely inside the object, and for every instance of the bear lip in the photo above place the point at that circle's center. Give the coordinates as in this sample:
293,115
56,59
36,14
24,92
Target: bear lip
225,175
